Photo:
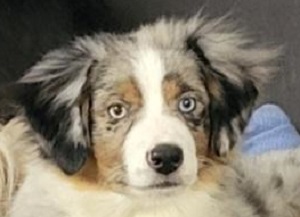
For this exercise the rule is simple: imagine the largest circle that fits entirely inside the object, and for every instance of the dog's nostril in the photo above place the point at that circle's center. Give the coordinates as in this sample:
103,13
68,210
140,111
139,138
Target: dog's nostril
156,160
165,158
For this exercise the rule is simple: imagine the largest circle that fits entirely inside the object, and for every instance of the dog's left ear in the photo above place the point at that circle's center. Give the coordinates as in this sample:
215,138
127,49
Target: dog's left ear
233,73
57,103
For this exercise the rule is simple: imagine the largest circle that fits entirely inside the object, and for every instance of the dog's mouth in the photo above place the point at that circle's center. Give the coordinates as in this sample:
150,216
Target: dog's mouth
162,186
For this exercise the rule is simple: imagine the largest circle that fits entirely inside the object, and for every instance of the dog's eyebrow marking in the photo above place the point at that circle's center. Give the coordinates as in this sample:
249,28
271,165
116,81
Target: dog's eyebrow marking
173,87
130,92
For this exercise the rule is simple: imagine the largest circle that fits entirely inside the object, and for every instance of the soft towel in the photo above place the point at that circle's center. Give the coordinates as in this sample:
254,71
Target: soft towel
269,129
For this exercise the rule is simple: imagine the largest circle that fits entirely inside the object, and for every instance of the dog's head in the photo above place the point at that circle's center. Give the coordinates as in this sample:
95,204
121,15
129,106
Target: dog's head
155,107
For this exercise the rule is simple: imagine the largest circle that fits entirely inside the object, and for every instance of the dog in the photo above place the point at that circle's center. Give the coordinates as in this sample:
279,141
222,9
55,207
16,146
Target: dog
144,124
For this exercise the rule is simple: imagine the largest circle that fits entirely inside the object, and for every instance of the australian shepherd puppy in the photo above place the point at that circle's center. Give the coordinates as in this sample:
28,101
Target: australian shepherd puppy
144,124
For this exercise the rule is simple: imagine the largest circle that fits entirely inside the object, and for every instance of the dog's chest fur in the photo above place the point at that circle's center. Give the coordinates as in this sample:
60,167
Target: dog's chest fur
50,197
45,194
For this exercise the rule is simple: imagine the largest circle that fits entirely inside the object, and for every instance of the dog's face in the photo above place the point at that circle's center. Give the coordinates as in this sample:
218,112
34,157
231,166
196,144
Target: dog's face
154,109
148,115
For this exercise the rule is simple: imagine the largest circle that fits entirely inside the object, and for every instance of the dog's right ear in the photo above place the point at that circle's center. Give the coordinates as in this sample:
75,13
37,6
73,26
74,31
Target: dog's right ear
57,103
233,71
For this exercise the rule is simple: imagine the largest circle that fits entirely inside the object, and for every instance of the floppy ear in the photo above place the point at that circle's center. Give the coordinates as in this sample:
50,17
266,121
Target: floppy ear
233,73
57,103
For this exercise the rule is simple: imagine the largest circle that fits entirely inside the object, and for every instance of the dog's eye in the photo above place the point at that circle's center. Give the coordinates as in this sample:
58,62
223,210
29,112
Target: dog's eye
187,104
117,111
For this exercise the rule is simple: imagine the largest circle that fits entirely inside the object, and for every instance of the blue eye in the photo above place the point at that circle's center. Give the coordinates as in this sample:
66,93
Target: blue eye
187,104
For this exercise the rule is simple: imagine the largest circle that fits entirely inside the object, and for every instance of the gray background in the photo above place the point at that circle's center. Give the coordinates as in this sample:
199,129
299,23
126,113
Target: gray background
28,28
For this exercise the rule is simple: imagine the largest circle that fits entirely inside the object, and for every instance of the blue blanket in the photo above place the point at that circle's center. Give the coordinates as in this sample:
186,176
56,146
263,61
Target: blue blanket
269,129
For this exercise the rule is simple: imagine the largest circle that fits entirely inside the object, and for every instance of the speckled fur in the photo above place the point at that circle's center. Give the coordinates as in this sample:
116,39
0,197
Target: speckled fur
63,156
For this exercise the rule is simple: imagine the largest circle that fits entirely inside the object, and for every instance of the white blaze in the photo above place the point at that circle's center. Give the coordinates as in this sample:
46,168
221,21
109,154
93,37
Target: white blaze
155,126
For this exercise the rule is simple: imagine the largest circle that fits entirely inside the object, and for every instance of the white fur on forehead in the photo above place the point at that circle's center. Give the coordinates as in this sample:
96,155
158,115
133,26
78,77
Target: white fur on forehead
225,45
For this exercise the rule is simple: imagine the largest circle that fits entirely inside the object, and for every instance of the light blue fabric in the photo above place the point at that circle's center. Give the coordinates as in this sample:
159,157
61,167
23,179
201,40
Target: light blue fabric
269,129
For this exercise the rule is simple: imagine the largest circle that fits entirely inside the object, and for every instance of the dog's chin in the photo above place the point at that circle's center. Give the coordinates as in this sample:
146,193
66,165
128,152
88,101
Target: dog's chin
162,189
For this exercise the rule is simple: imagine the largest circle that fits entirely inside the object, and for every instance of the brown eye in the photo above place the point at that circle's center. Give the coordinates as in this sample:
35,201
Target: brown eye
117,111
187,104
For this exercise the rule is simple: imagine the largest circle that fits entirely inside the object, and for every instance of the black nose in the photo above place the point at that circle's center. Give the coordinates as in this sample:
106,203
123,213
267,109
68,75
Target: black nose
165,158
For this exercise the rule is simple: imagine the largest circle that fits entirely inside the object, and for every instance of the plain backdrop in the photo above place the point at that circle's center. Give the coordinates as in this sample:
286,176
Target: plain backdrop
29,28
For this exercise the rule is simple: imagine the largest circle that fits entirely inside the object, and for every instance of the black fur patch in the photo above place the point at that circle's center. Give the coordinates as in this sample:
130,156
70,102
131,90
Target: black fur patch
249,193
248,190
277,181
54,125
